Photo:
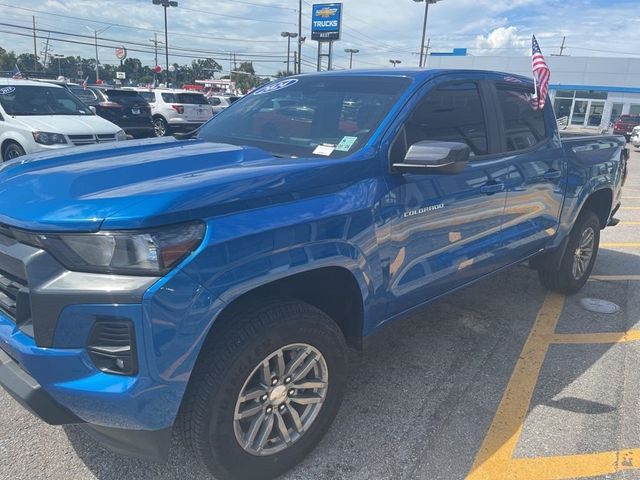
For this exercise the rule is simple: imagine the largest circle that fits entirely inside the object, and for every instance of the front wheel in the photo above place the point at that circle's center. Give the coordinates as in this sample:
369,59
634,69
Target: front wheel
11,151
579,257
265,391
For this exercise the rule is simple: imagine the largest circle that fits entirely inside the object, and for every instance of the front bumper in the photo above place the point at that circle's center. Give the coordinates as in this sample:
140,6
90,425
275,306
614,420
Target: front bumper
46,318
30,394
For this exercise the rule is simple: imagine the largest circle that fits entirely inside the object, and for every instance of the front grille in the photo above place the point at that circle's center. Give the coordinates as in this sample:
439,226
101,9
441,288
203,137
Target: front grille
107,138
79,140
9,290
82,139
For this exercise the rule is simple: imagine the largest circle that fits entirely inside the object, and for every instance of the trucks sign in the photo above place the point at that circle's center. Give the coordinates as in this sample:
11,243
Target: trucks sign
326,22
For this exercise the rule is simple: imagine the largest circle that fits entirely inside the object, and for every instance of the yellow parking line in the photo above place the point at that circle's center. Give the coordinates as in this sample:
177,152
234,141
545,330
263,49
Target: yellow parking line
627,224
629,208
630,198
583,338
494,457
615,278
571,466
495,461
620,244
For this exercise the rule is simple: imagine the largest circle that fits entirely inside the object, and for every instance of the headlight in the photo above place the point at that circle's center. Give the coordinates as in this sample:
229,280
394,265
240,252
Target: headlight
47,138
120,135
127,253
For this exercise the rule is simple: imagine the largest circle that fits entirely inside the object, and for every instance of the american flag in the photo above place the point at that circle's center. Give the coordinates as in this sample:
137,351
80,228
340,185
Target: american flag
17,74
541,73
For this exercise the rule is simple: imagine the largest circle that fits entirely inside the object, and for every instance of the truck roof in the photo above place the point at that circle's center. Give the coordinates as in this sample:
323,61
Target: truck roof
28,83
421,73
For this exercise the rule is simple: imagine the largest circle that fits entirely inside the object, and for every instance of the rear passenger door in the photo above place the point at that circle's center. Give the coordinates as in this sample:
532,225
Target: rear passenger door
535,183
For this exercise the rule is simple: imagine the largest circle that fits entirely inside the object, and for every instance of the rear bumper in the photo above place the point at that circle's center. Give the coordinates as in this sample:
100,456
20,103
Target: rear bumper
30,394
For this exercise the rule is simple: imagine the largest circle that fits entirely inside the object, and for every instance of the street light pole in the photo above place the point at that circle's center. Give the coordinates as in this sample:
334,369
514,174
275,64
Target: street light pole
424,28
289,36
166,4
59,57
299,59
351,51
395,62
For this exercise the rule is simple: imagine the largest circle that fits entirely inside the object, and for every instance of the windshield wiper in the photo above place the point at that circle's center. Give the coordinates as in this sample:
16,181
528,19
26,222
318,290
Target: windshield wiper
186,135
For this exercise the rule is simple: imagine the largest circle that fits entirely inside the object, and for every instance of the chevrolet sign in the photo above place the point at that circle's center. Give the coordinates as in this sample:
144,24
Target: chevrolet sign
326,21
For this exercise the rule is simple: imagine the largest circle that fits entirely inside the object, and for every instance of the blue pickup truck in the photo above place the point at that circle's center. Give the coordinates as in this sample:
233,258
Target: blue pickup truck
210,286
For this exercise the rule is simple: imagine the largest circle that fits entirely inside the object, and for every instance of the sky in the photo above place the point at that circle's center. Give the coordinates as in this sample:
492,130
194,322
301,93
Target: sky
382,30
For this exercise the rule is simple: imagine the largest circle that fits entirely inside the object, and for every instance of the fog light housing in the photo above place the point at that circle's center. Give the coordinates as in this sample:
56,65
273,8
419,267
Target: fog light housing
112,346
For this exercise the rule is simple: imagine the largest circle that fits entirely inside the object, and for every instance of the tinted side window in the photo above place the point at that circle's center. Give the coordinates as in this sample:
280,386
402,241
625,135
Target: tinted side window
451,113
150,97
169,98
524,125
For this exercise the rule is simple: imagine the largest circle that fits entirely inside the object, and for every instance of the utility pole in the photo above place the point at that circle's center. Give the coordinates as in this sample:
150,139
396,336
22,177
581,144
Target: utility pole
299,60
45,54
155,42
426,53
564,38
35,47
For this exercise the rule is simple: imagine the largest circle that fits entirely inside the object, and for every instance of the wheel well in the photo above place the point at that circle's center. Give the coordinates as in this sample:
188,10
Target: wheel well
5,144
600,203
157,116
333,290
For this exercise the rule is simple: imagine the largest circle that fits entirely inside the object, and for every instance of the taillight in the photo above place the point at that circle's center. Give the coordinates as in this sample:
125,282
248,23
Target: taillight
178,108
110,105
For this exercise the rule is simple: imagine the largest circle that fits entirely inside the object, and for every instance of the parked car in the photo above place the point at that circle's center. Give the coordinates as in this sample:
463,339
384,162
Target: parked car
125,108
37,116
220,102
635,137
221,278
176,110
625,124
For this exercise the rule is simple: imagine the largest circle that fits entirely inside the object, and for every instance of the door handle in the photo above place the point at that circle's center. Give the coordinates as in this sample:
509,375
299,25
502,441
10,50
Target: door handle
491,188
552,174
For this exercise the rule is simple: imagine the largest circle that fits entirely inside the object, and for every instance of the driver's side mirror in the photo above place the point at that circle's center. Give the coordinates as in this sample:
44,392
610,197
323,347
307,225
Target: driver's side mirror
433,156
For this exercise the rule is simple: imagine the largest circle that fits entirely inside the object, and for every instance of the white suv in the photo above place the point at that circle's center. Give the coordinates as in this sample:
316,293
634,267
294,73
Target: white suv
37,116
176,110
635,137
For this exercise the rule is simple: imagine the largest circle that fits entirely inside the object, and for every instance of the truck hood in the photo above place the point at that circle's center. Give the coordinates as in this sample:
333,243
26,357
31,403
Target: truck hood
139,184
68,124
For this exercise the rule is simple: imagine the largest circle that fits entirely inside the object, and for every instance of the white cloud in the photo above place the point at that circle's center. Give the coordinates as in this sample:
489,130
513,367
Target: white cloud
502,40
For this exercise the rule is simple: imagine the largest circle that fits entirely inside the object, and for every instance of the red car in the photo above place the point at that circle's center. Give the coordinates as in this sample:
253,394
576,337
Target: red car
624,125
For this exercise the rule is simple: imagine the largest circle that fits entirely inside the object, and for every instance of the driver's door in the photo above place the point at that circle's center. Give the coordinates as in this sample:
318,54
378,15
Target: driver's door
445,228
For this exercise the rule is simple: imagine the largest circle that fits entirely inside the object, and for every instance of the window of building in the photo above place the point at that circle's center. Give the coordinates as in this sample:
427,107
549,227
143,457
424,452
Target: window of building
616,111
634,110
592,94
524,124
451,113
565,93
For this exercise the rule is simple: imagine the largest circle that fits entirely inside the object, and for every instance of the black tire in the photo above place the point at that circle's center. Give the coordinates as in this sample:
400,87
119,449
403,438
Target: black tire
12,150
564,280
248,336
160,127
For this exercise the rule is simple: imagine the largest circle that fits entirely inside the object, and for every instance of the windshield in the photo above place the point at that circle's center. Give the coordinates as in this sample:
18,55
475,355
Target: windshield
329,116
18,100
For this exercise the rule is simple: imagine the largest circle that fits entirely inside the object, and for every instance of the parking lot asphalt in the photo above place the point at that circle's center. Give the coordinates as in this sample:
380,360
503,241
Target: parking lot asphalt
502,380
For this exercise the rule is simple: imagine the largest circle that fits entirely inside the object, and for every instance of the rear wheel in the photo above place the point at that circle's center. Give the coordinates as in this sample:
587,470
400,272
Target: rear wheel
160,127
579,257
265,391
12,150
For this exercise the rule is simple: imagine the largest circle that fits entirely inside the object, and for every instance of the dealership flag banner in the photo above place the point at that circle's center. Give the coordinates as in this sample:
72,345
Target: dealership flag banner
541,73
17,74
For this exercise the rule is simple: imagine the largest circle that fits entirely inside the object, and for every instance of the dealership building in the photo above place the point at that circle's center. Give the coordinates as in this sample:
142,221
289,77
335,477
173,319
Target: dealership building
589,92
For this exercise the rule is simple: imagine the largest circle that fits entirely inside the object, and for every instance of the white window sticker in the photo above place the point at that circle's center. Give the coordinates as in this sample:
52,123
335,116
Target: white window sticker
7,90
346,143
325,150
273,87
